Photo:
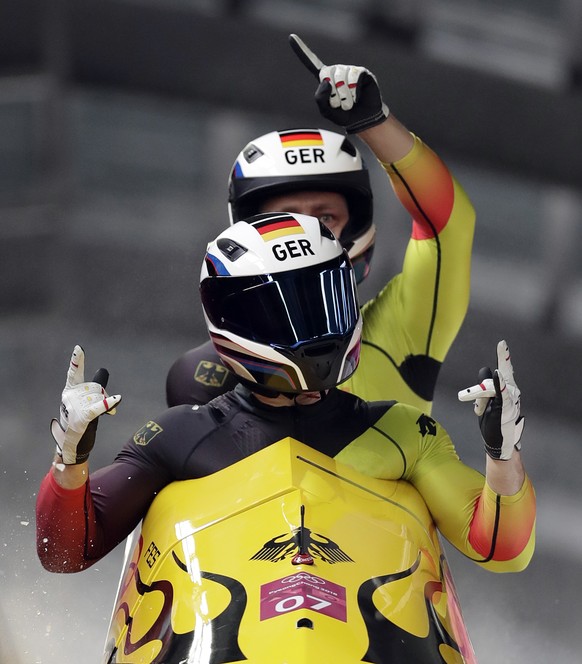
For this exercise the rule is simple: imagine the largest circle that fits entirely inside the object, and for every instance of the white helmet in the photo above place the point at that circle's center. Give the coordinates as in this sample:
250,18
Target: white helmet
307,160
281,305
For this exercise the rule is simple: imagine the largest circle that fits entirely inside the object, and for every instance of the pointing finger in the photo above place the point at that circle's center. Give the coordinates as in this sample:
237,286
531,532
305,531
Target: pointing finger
305,54
504,362
76,372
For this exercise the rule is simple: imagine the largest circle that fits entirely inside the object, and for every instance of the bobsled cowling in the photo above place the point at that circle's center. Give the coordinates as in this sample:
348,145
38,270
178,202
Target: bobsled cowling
287,557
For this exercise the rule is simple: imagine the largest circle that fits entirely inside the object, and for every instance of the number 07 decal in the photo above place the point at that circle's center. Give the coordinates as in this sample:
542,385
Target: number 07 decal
303,591
295,602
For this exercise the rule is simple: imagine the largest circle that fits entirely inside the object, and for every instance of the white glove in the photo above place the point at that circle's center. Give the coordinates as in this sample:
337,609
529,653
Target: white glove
347,95
81,404
497,404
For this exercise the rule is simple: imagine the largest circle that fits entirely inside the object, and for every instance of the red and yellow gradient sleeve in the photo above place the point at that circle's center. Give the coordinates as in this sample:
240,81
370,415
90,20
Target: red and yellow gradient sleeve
435,282
410,325
502,526
425,187
496,532
432,291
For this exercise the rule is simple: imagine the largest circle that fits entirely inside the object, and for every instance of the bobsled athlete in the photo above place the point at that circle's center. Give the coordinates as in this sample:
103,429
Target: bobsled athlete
280,300
410,325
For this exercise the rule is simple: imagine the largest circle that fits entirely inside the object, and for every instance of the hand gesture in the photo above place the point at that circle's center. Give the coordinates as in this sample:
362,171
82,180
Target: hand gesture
81,404
347,95
497,404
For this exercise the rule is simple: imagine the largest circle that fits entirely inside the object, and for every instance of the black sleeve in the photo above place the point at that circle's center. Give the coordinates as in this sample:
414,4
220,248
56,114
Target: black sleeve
153,457
197,377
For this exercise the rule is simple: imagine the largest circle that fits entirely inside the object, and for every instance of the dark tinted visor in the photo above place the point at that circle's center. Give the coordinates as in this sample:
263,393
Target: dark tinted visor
361,264
285,308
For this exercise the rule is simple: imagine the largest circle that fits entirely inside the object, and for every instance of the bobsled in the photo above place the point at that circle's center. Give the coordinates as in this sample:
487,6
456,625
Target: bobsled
287,557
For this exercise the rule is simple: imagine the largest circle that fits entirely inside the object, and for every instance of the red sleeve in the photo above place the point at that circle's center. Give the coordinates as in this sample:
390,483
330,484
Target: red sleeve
63,526
77,527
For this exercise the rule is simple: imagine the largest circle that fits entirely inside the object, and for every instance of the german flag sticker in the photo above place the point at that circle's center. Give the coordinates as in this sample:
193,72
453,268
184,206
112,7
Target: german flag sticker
278,226
293,138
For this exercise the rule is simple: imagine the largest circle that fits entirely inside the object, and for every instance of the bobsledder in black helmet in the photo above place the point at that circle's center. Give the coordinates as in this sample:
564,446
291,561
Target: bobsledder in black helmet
297,160
281,305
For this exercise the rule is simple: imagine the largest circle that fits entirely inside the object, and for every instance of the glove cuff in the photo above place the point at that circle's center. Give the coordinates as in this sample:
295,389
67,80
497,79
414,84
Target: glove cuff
493,452
496,452
368,123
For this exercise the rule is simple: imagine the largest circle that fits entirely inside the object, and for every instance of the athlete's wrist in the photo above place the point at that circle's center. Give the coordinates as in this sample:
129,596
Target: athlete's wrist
69,476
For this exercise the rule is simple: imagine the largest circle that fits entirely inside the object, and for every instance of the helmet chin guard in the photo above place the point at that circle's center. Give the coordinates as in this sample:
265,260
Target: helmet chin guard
280,301
298,160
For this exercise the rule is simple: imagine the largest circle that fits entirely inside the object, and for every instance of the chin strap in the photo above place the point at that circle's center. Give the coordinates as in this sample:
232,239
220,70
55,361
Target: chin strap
272,394
259,389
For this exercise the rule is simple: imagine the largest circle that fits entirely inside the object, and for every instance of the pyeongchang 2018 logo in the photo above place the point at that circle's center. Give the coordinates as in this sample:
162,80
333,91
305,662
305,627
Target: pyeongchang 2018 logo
303,591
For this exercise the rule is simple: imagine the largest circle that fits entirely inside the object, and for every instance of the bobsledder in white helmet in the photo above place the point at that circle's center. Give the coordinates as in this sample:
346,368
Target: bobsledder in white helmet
295,160
280,301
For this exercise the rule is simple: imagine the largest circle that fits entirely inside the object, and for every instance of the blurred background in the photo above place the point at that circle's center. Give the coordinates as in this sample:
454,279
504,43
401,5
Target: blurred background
119,122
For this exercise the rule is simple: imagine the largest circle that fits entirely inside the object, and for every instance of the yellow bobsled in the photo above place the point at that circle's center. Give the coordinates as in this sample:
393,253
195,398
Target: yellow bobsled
287,557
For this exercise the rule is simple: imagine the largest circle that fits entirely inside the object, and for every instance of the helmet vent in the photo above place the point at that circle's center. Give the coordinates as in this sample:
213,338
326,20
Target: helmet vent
231,249
319,350
348,146
325,232
252,153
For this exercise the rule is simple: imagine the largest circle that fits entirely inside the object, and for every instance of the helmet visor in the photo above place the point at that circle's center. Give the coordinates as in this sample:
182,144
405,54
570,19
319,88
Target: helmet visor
285,308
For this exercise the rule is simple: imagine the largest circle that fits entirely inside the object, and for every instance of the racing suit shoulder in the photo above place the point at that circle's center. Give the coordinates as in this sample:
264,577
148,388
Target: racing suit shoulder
163,445
404,443
197,377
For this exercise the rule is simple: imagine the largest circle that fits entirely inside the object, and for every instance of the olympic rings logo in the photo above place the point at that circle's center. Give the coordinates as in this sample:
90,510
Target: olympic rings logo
303,576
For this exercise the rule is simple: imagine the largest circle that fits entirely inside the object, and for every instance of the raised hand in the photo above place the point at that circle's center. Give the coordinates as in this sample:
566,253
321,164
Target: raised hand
497,404
348,95
81,404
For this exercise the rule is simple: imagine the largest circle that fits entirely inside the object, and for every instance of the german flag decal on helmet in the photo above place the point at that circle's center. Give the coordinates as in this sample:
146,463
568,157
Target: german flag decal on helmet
279,225
296,138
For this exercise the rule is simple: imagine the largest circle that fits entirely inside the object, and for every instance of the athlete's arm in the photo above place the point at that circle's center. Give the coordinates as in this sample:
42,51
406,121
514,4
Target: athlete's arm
497,403
390,141
415,320
496,530
505,477
434,285
63,512
493,528
69,477
80,518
